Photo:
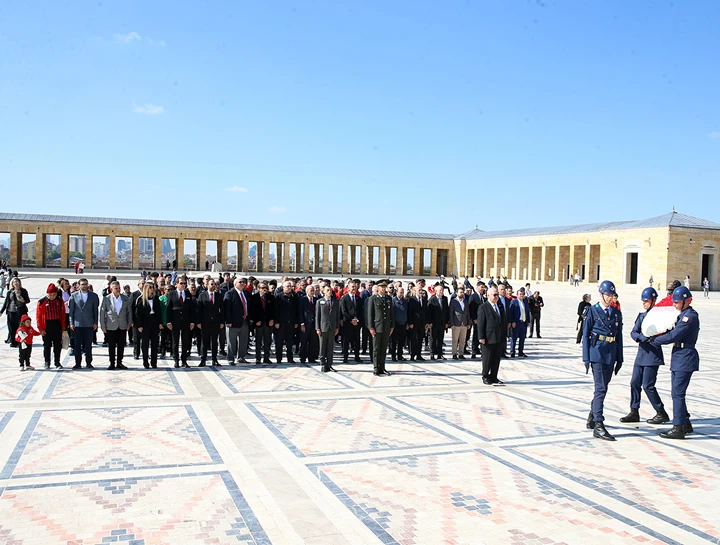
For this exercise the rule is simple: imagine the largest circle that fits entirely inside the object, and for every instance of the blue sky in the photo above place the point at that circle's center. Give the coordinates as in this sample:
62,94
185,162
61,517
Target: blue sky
418,116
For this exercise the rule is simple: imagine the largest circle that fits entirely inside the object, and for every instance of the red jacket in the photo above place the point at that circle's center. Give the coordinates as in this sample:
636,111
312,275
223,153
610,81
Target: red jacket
46,309
30,334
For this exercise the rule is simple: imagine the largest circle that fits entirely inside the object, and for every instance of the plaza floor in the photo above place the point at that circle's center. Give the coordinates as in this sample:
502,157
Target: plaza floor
284,454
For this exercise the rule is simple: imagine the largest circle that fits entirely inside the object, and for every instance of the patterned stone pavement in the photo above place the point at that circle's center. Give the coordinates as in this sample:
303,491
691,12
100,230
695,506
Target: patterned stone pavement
284,454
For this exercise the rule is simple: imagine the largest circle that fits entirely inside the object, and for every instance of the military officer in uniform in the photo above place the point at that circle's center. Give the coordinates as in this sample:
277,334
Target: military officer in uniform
684,361
647,362
381,322
603,351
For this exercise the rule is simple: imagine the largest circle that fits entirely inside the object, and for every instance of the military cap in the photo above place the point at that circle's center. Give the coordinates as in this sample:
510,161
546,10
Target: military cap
382,282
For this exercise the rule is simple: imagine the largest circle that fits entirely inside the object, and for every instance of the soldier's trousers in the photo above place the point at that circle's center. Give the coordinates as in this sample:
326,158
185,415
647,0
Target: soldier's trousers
643,378
601,375
380,346
680,381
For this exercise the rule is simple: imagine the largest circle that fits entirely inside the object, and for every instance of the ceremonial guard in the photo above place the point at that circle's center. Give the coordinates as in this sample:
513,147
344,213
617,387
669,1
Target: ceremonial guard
684,361
381,322
603,351
647,362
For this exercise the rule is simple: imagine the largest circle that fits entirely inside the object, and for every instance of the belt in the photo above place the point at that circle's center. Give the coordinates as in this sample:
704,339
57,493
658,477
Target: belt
606,338
684,345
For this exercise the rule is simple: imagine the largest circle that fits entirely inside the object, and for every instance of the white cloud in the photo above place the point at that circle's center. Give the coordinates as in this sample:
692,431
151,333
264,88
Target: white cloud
714,134
236,189
128,38
277,209
147,109
135,37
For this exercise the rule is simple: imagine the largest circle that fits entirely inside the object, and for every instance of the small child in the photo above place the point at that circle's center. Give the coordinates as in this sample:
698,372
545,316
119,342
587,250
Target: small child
24,336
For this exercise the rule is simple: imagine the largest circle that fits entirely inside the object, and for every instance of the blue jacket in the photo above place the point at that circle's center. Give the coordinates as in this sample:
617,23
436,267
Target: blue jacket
684,356
84,314
597,324
649,354
514,311
401,310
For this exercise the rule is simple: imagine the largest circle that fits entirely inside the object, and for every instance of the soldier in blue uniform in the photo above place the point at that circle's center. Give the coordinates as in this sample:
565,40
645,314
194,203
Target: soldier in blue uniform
647,362
603,351
684,361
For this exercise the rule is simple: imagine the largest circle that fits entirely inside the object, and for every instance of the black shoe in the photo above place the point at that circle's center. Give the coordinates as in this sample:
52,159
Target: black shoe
419,358
344,360
523,355
242,360
590,421
333,369
185,365
153,365
358,360
267,360
462,357
47,365
136,357
202,364
233,363
659,418
676,432
688,429
146,365
486,381
512,354
632,416
291,360
223,353
89,366
58,366
601,433
376,373
539,337
176,365
401,359
473,356
121,366
498,382
386,373
112,367
77,366
393,358
216,363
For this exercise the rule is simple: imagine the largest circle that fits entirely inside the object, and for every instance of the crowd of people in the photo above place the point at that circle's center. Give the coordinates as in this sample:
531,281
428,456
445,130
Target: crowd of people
237,319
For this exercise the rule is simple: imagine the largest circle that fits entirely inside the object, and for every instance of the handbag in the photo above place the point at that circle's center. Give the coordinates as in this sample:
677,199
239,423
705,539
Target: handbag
65,340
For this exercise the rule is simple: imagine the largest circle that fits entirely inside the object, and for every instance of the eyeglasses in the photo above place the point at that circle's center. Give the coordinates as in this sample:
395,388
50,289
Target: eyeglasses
493,295
182,283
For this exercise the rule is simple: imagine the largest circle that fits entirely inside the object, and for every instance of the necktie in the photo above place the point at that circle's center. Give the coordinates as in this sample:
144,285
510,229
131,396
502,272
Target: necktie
212,298
607,312
242,297
497,310
353,299
262,299
182,299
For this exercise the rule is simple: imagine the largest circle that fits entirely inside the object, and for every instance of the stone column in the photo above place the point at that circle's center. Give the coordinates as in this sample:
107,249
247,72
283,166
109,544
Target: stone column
572,260
495,262
157,253
328,258
588,272
543,265
418,262
433,262
88,250
306,257
383,260
530,264
135,253
220,252
364,259
557,263
285,257
401,260
243,248
260,256
518,265
111,249
201,253
15,249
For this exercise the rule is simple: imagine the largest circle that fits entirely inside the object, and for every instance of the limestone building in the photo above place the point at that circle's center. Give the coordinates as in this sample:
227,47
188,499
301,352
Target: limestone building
629,253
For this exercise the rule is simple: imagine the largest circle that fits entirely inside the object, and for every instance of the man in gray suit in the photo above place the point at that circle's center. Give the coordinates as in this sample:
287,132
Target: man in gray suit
459,322
115,321
327,322
83,321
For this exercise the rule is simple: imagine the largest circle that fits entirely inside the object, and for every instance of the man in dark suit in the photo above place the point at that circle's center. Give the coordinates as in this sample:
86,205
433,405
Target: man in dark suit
180,320
327,322
439,319
476,299
416,324
286,321
519,320
211,320
492,335
262,314
236,308
309,341
351,314
133,306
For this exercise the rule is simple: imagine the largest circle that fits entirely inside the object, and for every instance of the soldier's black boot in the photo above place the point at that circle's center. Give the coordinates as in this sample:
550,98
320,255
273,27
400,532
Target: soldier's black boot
590,422
660,418
601,433
677,432
632,416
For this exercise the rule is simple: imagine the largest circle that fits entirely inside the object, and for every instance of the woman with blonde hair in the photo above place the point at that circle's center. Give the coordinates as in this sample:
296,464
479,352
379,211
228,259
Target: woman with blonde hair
149,322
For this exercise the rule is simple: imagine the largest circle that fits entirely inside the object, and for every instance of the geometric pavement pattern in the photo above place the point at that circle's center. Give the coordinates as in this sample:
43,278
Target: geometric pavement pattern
285,454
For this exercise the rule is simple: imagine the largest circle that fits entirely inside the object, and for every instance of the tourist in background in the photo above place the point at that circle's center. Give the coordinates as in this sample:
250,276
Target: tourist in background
50,317
706,288
15,304
581,315
535,313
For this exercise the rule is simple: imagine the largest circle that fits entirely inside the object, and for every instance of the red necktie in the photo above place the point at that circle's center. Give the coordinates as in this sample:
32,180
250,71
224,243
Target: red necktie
212,298
262,298
242,296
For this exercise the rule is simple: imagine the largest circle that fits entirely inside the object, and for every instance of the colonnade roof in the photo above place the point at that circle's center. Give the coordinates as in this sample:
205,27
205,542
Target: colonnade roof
673,219
212,225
